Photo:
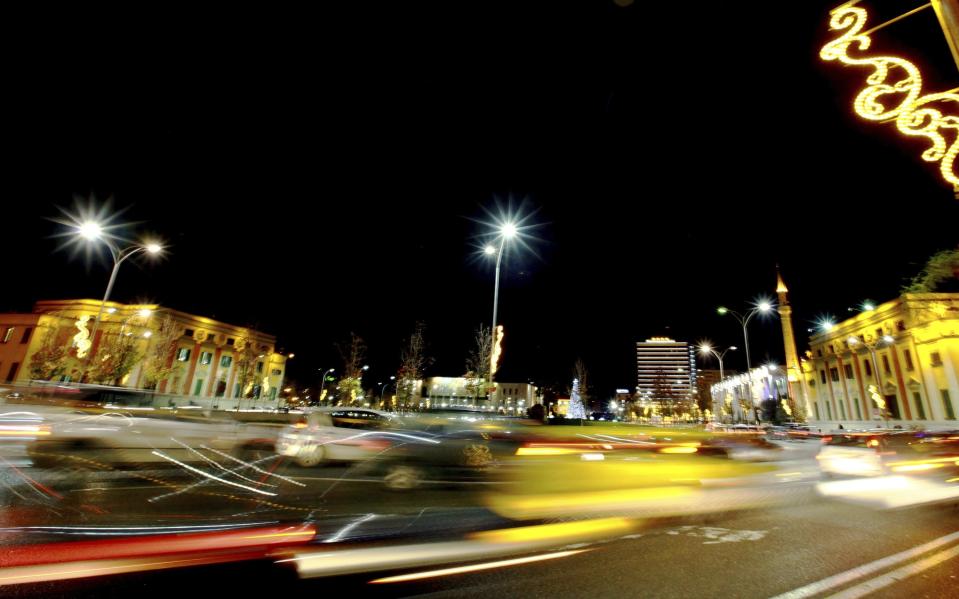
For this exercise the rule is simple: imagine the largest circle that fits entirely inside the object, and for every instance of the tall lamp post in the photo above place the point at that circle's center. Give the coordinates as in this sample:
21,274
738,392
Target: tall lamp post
383,387
872,346
92,231
506,232
323,383
762,307
706,349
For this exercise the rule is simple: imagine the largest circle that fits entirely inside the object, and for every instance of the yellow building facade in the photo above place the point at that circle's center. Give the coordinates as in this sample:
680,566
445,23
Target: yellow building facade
897,363
203,362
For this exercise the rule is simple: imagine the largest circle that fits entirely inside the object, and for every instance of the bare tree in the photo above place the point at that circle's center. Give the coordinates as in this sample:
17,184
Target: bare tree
50,361
581,373
413,362
158,362
351,383
478,362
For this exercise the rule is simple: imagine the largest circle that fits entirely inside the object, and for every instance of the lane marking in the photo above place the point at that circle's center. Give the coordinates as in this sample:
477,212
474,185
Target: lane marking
475,567
871,586
860,571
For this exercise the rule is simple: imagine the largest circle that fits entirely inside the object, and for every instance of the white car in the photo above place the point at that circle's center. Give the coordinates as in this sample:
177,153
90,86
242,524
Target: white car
120,437
335,434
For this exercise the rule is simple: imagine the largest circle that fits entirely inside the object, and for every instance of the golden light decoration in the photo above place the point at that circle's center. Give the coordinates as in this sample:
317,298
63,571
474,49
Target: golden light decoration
894,91
82,339
497,349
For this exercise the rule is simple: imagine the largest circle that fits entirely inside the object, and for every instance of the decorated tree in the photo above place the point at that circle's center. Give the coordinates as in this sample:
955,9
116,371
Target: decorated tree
576,408
245,358
477,363
351,383
158,361
413,361
116,356
50,361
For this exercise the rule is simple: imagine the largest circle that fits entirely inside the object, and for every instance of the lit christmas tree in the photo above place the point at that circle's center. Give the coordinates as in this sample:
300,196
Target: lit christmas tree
576,408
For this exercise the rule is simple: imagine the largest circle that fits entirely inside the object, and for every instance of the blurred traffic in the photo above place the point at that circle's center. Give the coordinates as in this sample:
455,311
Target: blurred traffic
118,485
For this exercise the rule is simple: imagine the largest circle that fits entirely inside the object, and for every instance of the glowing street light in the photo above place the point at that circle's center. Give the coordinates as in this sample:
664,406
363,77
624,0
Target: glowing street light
323,381
761,306
506,231
93,231
705,349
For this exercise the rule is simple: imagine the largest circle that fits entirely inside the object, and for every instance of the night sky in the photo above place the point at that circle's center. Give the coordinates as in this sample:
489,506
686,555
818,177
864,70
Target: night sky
324,172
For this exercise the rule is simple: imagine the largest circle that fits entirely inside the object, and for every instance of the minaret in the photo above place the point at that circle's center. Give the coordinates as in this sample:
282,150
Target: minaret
794,373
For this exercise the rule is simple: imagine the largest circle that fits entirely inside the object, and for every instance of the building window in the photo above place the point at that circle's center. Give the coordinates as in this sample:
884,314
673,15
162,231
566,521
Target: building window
892,404
206,357
230,341
12,373
276,372
947,404
188,332
822,375
855,402
834,374
848,369
198,387
818,353
907,358
225,361
7,335
885,364
259,367
26,335
868,367
935,358
920,412
183,355
816,406
879,333
831,350
900,325
842,409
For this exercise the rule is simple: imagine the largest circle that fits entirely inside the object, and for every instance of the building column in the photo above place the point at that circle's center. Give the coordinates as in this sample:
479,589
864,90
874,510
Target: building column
213,371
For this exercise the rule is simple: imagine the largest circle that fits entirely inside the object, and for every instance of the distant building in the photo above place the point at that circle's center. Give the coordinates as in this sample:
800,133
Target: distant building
705,379
453,392
202,360
904,351
751,396
665,367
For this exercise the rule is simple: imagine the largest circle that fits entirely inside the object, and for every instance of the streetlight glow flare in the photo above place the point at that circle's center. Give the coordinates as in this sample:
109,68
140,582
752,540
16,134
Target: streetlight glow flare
90,230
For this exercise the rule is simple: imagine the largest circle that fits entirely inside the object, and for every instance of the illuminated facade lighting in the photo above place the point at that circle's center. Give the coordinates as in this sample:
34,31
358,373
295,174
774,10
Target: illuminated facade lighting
894,92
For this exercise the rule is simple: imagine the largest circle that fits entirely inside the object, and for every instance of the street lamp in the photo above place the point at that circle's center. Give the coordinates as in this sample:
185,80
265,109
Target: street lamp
882,341
93,231
384,386
323,382
706,349
507,231
763,306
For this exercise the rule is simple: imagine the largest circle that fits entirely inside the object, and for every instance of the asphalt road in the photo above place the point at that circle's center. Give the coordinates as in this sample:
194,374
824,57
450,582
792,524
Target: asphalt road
759,553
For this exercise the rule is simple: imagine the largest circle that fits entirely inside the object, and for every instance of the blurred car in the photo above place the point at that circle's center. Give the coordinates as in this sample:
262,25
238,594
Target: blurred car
334,434
753,448
878,453
121,438
449,447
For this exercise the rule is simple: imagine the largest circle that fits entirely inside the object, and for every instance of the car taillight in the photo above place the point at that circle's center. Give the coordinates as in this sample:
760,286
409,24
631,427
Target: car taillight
299,425
872,443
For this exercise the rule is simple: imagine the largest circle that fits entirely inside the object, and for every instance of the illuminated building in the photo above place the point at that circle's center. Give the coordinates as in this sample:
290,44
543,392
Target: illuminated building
740,396
204,368
906,349
665,367
454,392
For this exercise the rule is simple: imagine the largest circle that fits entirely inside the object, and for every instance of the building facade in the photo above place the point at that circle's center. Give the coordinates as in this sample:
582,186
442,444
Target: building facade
753,396
897,363
666,369
454,392
204,365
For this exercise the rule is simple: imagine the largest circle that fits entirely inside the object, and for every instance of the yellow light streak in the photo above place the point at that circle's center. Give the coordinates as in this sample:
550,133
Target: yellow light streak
560,530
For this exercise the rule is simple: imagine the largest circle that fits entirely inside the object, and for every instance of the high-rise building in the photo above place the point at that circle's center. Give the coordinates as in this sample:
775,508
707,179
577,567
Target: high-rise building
665,368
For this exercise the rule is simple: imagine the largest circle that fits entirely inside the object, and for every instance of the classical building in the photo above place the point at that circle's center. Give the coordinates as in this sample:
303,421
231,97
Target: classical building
896,362
204,362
